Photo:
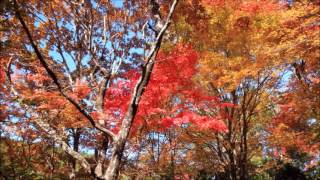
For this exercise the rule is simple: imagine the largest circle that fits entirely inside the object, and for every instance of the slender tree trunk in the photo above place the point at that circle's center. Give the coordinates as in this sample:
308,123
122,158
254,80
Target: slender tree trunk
233,169
76,140
172,164
231,148
243,167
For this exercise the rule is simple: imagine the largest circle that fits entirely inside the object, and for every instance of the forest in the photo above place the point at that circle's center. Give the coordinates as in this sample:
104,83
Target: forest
159,89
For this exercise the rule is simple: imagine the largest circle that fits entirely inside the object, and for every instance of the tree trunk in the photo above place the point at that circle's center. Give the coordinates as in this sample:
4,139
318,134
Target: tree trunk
243,167
76,140
112,171
120,140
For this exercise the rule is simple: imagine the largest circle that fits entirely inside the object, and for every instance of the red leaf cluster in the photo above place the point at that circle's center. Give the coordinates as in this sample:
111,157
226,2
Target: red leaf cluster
171,84
81,89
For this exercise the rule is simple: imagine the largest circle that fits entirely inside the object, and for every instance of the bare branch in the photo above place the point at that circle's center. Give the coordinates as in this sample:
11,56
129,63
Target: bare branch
9,69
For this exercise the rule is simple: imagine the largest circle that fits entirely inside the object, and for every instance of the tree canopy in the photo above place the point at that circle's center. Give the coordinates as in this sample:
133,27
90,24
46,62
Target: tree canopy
159,89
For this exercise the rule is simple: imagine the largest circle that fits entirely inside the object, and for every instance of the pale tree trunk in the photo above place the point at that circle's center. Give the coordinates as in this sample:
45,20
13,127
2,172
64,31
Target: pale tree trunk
120,140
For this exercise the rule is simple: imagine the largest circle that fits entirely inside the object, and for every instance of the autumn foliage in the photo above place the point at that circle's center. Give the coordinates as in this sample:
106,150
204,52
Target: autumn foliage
223,89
